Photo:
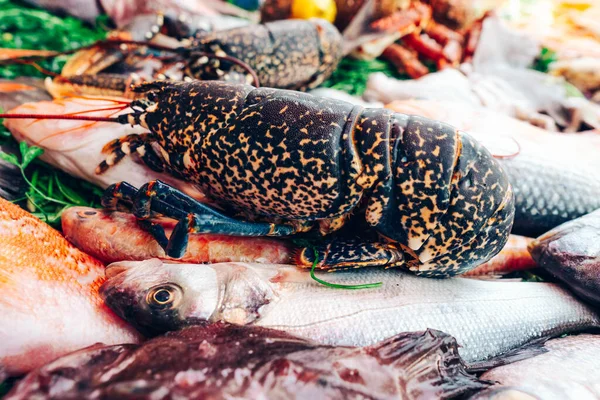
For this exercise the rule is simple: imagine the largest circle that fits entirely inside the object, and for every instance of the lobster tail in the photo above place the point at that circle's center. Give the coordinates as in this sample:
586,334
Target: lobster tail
447,199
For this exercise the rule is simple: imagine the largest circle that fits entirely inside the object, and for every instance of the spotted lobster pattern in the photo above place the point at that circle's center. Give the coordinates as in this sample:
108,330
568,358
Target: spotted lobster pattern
291,54
437,200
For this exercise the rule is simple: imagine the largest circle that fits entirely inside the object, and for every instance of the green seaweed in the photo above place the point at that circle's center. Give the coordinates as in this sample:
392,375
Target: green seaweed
41,197
351,75
543,61
25,27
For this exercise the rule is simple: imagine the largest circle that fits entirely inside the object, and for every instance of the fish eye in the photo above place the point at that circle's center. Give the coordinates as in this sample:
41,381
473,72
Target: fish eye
164,296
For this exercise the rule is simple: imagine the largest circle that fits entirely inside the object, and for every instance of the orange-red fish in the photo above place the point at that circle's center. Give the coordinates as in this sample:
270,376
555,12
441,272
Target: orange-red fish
116,236
49,301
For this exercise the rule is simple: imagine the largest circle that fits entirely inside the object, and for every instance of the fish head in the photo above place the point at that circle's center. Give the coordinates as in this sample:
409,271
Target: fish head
157,297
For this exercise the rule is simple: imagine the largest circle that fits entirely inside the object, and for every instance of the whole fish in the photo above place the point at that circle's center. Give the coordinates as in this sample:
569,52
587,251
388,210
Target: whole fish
568,371
76,146
223,361
50,303
117,236
486,318
554,176
571,252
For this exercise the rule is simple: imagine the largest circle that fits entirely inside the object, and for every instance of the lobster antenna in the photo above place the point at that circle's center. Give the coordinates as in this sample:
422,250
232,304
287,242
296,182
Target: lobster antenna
63,117
118,42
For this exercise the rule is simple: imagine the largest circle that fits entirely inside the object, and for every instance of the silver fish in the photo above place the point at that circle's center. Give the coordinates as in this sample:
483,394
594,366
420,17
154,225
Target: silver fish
486,318
568,371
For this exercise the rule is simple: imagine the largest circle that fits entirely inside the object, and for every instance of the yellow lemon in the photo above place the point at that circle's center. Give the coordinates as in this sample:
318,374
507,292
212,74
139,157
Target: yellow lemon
305,9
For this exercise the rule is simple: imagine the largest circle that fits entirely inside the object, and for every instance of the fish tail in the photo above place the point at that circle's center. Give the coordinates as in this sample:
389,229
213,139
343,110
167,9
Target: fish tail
424,356
529,350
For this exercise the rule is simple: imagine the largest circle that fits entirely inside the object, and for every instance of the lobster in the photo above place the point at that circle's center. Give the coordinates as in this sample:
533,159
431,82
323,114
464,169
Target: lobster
295,54
422,194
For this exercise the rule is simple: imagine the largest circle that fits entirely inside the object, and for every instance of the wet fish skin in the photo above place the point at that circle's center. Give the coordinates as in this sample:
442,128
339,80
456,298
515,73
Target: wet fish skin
504,393
547,195
571,253
223,361
76,146
486,318
117,236
49,304
568,371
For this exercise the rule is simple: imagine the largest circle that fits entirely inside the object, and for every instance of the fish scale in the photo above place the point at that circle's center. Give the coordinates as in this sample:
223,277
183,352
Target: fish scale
49,303
487,318
543,201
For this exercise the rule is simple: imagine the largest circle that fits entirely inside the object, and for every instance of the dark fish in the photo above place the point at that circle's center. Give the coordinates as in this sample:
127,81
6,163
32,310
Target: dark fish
571,252
223,361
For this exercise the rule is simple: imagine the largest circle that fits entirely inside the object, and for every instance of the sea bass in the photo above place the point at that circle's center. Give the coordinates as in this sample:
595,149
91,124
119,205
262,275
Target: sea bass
117,236
486,318
568,371
554,176
76,146
224,361
49,304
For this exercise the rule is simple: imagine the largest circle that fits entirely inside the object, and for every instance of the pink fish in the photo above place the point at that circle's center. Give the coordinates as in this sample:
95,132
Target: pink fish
116,236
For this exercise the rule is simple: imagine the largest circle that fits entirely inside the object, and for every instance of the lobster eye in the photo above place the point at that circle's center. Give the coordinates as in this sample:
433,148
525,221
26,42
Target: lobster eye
164,296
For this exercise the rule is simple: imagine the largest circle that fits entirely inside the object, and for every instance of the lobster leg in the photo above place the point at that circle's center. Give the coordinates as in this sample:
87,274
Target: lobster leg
119,148
342,254
121,196
118,196
193,217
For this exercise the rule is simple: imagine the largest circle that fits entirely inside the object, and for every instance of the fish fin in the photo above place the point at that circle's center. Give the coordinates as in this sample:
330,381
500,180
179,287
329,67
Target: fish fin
429,357
530,350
